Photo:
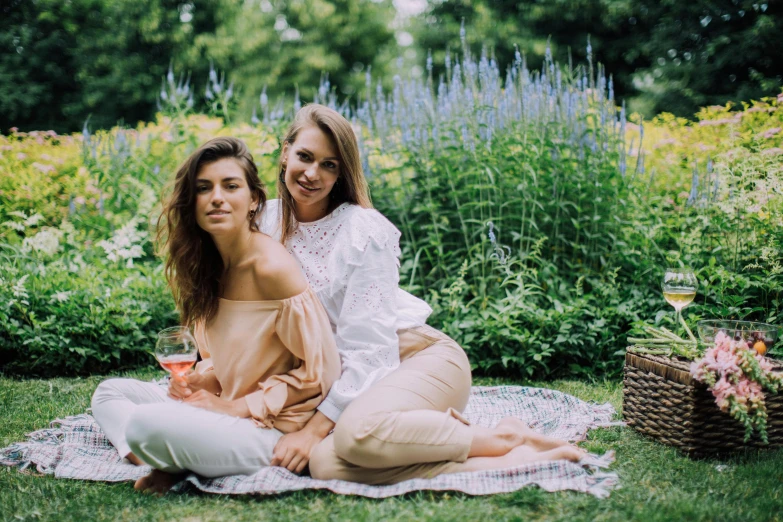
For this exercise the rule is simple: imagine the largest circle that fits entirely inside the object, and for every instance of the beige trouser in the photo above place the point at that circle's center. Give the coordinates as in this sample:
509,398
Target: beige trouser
171,436
408,425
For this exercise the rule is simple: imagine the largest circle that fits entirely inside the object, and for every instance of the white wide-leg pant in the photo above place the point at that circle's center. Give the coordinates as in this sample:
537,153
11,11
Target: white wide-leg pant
171,436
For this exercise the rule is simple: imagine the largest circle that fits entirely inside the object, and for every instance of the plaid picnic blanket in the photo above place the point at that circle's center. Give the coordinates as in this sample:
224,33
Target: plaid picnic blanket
76,448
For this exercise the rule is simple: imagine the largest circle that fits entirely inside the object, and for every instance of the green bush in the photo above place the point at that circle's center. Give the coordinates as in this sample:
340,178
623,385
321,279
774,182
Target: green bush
536,220
70,315
539,229
81,287
729,228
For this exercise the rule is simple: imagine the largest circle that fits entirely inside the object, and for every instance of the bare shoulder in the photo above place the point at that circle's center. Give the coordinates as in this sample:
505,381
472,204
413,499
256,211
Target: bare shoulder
276,271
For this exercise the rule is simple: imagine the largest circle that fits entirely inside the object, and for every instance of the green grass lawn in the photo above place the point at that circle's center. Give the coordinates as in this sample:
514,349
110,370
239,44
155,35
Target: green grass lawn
657,484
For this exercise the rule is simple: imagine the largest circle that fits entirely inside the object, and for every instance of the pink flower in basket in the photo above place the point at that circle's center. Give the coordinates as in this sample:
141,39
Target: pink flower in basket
722,390
719,360
748,391
736,376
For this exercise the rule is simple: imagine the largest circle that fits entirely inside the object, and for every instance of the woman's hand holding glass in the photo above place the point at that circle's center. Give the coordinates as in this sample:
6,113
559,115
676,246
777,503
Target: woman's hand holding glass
211,402
183,386
202,391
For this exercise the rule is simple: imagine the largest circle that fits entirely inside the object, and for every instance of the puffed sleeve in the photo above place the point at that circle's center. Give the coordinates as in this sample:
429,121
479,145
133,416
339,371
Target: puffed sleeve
199,334
287,401
366,331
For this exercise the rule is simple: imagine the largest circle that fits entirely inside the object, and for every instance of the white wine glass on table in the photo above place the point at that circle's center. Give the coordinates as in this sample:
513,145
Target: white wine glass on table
679,288
176,350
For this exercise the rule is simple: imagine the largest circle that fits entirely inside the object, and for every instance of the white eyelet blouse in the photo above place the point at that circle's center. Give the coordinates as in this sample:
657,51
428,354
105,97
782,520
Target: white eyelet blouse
350,258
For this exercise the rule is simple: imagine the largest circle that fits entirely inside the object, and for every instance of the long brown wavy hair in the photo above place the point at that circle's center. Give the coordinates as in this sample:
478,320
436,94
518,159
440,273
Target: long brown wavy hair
194,266
351,184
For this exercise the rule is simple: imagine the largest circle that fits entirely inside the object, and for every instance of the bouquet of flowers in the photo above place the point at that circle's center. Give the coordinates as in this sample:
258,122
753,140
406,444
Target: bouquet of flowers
737,376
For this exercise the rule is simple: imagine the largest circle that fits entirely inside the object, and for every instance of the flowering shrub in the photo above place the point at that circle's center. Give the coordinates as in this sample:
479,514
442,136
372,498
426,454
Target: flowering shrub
74,316
536,219
737,377
80,288
126,244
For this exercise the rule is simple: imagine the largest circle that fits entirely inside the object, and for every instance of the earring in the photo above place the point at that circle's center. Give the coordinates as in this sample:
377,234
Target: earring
251,214
282,175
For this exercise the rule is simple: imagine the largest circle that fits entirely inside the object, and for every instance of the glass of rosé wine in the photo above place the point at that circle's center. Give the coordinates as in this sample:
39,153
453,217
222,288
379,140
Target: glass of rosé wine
176,350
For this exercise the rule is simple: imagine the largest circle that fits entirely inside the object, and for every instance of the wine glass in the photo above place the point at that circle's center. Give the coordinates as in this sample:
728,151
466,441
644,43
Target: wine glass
679,288
176,350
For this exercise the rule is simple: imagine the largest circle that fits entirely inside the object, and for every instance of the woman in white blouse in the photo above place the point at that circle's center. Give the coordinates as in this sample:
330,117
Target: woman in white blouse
395,411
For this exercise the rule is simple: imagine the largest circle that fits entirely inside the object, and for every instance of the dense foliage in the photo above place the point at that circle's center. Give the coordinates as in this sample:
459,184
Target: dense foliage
64,63
665,56
537,219
80,286
539,228
101,60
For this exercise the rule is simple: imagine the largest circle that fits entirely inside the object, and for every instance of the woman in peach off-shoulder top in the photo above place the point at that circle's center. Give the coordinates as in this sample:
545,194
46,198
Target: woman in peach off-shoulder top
268,351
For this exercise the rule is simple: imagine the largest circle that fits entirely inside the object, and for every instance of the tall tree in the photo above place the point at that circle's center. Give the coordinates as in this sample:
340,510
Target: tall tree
704,53
36,65
64,62
285,45
664,55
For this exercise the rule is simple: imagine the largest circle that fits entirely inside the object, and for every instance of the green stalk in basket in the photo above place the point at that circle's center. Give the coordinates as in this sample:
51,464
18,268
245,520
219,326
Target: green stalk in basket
663,341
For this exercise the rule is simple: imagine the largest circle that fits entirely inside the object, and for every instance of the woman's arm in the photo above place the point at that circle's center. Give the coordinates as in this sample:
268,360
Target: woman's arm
366,329
293,450
286,401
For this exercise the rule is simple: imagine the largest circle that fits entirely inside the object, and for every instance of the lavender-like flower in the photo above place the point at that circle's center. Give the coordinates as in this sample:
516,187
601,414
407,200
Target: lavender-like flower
694,193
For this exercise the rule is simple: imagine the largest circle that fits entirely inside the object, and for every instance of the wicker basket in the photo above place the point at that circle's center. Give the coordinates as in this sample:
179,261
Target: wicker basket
661,400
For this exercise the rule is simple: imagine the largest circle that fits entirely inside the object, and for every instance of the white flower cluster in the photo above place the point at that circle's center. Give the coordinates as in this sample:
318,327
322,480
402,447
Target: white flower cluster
60,297
47,241
125,244
26,222
76,264
749,182
20,291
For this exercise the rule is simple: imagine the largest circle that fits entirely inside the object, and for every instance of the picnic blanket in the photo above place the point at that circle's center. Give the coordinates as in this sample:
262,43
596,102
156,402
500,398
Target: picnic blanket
76,448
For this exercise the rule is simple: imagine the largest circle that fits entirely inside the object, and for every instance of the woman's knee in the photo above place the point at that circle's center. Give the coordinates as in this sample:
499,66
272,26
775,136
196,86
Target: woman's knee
345,435
325,464
108,390
448,363
448,349
145,424
457,355
354,434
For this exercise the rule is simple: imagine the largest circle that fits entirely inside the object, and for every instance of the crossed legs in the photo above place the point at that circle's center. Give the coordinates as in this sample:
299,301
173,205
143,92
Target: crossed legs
408,426
143,422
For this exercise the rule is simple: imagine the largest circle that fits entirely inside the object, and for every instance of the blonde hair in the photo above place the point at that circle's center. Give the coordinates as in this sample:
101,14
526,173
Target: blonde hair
351,186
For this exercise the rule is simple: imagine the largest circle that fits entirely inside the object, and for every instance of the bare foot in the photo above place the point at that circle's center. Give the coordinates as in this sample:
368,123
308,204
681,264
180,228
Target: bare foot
526,454
134,459
568,452
523,454
158,482
529,436
509,433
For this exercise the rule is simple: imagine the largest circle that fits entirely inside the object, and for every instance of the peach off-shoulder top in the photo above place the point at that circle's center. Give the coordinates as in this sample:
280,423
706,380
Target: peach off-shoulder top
279,355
